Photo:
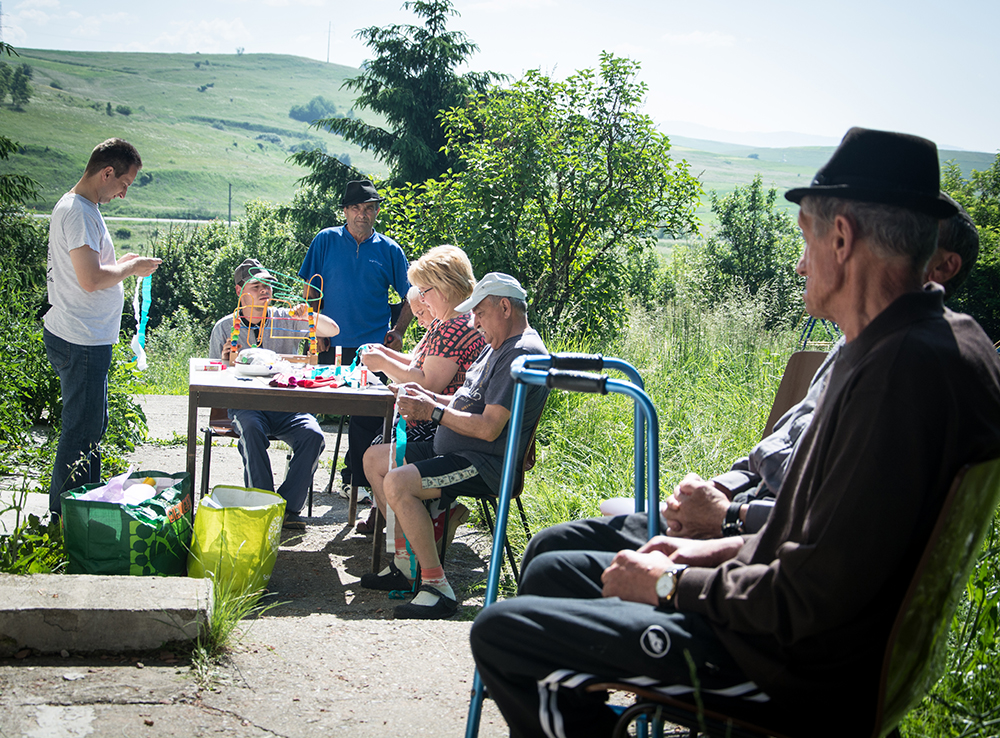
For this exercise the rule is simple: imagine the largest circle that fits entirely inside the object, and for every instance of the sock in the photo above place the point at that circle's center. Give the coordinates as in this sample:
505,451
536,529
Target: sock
402,559
434,578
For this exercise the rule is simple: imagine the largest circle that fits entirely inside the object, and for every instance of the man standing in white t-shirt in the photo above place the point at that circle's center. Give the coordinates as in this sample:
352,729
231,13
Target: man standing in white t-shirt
86,293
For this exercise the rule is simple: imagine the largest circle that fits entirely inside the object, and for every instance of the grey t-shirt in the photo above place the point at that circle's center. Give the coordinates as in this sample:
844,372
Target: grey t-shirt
77,316
488,382
279,333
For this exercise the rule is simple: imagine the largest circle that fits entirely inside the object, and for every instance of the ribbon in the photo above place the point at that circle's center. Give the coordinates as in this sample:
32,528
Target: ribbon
143,288
400,456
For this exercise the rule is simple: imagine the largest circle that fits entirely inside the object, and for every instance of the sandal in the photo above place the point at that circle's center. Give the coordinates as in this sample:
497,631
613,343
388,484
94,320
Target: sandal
445,607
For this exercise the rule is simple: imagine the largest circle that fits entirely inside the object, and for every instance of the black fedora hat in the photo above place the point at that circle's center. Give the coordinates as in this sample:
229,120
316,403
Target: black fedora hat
883,167
359,191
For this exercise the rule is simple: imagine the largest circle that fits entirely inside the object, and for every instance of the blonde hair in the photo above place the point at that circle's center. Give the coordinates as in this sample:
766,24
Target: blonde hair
447,269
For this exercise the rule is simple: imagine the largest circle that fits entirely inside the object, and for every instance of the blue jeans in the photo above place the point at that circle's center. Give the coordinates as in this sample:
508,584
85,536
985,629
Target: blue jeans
83,376
303,435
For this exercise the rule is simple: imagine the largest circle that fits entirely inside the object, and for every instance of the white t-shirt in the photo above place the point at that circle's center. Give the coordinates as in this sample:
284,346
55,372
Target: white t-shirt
77,316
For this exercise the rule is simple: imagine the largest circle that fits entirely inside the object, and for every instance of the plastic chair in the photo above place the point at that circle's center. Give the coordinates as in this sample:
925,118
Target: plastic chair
917,646
221,426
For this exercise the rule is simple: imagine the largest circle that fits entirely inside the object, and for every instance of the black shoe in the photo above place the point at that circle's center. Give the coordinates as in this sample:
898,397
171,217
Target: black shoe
445,607
294,521
394,579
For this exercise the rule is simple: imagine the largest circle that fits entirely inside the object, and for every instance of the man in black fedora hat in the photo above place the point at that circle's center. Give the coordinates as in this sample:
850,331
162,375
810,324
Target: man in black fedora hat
354,266
779,624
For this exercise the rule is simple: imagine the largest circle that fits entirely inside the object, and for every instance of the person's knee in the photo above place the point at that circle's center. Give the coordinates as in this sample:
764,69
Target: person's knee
537,573
376,460
398,487
544,540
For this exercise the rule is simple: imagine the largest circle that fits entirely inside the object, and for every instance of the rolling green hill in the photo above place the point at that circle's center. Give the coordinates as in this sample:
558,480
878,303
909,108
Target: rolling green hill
200,121
203,122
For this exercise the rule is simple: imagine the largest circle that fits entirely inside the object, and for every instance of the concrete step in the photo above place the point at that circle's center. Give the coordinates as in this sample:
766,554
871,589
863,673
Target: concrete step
49,613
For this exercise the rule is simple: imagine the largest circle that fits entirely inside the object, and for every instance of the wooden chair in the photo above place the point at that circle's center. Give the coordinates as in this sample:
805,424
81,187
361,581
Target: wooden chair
799,371
915,652
221,426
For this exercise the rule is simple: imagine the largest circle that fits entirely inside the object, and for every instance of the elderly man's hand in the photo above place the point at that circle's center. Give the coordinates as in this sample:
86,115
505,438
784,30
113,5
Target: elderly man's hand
694,553
413,401
632,576
696,509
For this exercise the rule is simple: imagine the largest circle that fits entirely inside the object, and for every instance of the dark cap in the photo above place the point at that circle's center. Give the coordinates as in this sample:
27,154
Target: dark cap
250,270
359,191
883,167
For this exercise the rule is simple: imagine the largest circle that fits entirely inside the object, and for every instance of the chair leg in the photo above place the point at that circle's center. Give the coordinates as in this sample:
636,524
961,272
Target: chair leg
443,546
506,541
524,518
378,540
352,507
206,462
336,455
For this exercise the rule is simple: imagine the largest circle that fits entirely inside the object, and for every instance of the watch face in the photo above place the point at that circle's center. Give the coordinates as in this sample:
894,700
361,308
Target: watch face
665,585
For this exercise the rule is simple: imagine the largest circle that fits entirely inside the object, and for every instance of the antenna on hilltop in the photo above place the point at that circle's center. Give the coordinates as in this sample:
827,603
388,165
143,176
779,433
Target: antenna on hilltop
329,30
1,25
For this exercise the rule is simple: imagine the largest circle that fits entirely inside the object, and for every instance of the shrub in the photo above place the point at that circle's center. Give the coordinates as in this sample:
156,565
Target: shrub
123,110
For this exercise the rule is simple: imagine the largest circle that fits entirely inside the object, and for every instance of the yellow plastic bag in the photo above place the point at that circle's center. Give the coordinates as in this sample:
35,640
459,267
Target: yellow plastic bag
237,532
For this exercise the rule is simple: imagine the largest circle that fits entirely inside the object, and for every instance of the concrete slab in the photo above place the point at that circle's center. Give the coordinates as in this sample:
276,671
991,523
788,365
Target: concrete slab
49,613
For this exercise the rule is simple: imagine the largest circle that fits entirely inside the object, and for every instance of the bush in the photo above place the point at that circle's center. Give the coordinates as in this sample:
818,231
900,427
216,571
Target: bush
123,110
317,108
168,348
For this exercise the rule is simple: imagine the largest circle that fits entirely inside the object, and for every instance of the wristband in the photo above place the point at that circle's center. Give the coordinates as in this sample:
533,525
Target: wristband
732,525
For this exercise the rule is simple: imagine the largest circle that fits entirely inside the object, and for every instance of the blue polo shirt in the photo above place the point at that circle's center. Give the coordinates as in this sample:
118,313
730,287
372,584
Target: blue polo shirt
356,281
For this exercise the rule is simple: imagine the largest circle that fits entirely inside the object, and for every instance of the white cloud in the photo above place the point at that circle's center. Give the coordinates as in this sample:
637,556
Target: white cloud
31,15
707,40
209,36
31,4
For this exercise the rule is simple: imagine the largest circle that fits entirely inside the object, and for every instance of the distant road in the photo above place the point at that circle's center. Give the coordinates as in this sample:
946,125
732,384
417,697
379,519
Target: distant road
142,220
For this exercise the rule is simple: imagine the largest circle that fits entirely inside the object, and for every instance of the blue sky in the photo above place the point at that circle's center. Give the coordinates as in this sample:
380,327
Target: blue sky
804,70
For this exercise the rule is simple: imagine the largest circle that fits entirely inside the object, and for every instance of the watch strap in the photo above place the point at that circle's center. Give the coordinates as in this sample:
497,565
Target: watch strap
732,525
437,414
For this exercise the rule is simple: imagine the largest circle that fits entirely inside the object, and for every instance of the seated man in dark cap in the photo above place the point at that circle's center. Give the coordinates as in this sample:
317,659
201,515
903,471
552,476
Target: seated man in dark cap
280,330
354,266
791,621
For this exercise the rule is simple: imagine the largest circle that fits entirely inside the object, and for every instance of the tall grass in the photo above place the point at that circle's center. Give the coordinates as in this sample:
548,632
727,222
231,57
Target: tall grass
712,376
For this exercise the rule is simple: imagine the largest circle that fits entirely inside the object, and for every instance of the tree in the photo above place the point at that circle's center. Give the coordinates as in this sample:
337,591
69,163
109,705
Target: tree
20,89
5,78
754,246
563,185
980,196
410,80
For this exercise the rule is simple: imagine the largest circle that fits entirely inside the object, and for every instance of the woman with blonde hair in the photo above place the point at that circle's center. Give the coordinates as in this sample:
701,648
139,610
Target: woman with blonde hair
443,278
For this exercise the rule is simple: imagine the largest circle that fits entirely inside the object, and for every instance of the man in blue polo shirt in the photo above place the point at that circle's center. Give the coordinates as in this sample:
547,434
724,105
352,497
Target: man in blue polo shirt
354,266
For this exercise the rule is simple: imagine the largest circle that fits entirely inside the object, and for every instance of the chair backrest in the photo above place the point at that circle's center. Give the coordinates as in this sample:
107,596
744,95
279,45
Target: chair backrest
918,643
799,371
528,460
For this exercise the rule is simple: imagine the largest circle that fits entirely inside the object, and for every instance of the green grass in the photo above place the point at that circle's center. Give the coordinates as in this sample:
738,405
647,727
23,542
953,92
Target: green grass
193,143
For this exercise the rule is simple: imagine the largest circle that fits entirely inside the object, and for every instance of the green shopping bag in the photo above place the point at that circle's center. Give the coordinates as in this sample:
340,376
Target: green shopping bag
237,532
148,538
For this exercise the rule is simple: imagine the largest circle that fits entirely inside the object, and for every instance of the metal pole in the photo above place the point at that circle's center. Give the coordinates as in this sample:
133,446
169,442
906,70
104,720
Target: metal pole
230,204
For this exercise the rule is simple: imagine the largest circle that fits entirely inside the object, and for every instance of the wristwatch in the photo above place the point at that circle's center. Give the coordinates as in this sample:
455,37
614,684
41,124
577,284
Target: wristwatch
666,585
732,525
437,413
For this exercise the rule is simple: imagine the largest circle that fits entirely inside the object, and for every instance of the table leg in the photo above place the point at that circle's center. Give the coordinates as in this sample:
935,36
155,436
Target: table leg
192,433
378,539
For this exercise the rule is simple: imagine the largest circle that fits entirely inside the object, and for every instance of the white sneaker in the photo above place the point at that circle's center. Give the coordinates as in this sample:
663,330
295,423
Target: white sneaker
364,494
344,490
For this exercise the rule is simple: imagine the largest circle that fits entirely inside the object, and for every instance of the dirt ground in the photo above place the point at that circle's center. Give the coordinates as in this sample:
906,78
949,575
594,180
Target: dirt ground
327,659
